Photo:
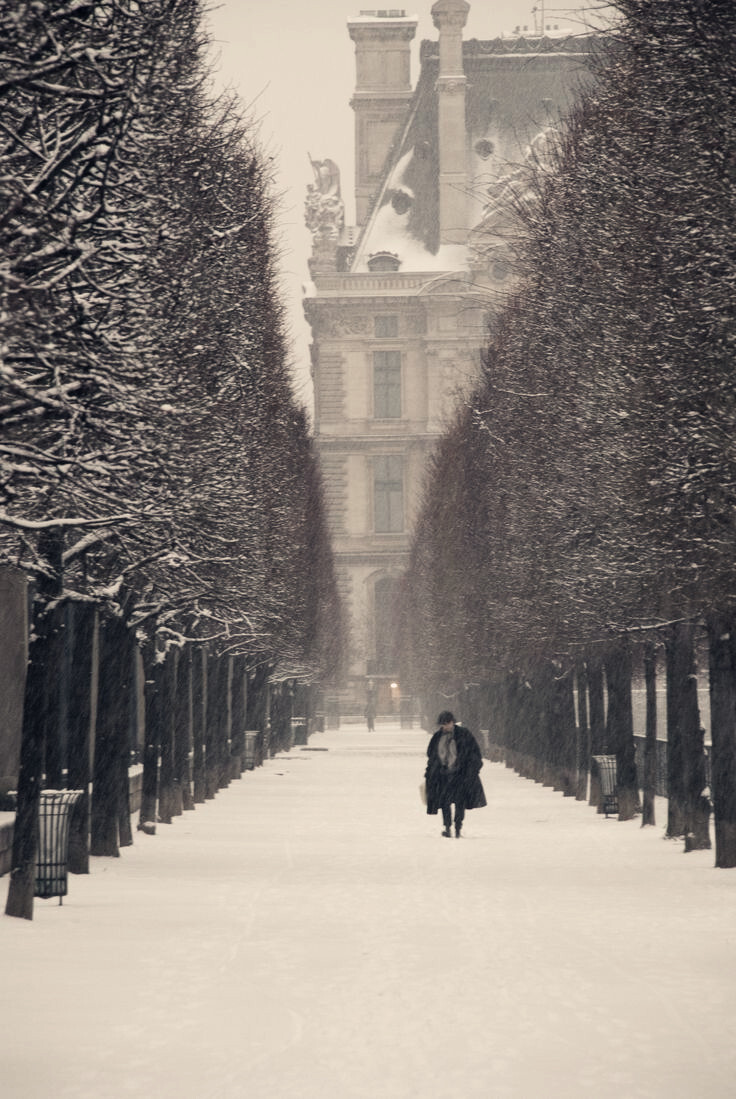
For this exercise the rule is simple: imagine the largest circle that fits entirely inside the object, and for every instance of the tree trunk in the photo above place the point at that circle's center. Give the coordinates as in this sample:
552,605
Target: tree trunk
84,643
199,724
537,726
650,735
697,806
183,740
30,779
597,712
685,765
166,743
279,718
211,728
53,690
697,837
583,733
722,651
33,735
621,727
112,737
125,827
223,721
675,792
524,719
149,793
508,696
258,708
239,688
598,746
128,742
550,732
566,711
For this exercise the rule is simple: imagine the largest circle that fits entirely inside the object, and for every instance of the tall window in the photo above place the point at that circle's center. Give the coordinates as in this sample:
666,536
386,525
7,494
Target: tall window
388,494
387,385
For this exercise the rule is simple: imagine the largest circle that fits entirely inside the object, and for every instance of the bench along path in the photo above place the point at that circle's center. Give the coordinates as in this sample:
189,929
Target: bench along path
308,934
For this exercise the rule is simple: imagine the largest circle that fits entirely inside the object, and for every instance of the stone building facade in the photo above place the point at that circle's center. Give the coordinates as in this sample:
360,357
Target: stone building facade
399,304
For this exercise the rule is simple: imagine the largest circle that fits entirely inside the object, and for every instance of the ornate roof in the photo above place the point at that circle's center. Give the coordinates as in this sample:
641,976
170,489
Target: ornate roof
517,89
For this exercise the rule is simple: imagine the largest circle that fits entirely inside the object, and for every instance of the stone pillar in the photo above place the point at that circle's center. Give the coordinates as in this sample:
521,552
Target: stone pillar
449,18
13,657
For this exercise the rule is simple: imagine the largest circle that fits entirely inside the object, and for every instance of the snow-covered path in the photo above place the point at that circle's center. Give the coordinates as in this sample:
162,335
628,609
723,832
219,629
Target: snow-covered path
308,934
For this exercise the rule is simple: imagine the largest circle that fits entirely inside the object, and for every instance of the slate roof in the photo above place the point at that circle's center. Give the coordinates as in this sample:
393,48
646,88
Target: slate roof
516,89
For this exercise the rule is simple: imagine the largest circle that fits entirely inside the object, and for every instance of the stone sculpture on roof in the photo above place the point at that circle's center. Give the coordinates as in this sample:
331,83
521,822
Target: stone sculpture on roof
324,209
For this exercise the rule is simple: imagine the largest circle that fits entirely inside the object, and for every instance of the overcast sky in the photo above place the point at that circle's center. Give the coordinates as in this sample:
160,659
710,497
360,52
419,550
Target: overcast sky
292,63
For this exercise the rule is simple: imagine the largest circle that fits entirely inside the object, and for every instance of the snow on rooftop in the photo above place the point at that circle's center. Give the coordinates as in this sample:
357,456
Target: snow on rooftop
372,15
389,232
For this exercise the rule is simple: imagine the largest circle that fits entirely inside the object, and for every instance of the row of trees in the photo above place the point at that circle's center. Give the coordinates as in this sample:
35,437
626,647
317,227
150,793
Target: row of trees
153,464
589,481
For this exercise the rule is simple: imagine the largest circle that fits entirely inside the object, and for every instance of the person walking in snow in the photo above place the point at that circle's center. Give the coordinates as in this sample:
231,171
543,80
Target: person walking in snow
453,773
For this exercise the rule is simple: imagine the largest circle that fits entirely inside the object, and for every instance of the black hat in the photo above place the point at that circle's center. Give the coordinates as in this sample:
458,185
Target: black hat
445,718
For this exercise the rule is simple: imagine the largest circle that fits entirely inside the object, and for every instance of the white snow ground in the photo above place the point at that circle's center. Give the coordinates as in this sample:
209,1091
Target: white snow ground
308,934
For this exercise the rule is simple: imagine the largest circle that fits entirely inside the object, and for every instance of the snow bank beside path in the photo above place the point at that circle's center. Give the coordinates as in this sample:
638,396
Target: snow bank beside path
308,934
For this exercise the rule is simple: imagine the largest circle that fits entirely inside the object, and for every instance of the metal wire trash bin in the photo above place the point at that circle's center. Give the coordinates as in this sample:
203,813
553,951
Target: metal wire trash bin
299,730
52,856
251,750
606,769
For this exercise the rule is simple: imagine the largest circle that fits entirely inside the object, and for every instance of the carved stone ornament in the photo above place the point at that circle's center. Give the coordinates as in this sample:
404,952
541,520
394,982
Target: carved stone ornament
323,258
353,326
335,324
324,210
450,13
451,85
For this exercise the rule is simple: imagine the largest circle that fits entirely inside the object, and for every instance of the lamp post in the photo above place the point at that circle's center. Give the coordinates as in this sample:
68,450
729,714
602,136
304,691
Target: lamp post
370,704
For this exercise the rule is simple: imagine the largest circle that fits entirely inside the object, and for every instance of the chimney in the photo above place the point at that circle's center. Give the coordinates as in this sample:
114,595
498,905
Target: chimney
449,17
382,92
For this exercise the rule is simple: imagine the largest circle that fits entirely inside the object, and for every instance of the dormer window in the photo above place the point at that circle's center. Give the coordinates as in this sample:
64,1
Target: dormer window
401,202
383,261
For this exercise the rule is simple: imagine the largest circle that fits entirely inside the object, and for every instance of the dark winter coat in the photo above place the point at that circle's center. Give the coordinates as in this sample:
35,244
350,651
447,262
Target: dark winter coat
464,778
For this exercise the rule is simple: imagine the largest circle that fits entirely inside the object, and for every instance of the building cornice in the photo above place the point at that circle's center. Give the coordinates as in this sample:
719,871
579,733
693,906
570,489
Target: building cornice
369,557
396,284
350,443
382,97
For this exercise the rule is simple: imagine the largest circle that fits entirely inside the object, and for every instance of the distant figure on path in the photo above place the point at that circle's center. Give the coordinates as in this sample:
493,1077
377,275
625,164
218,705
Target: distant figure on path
452,775
370,716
